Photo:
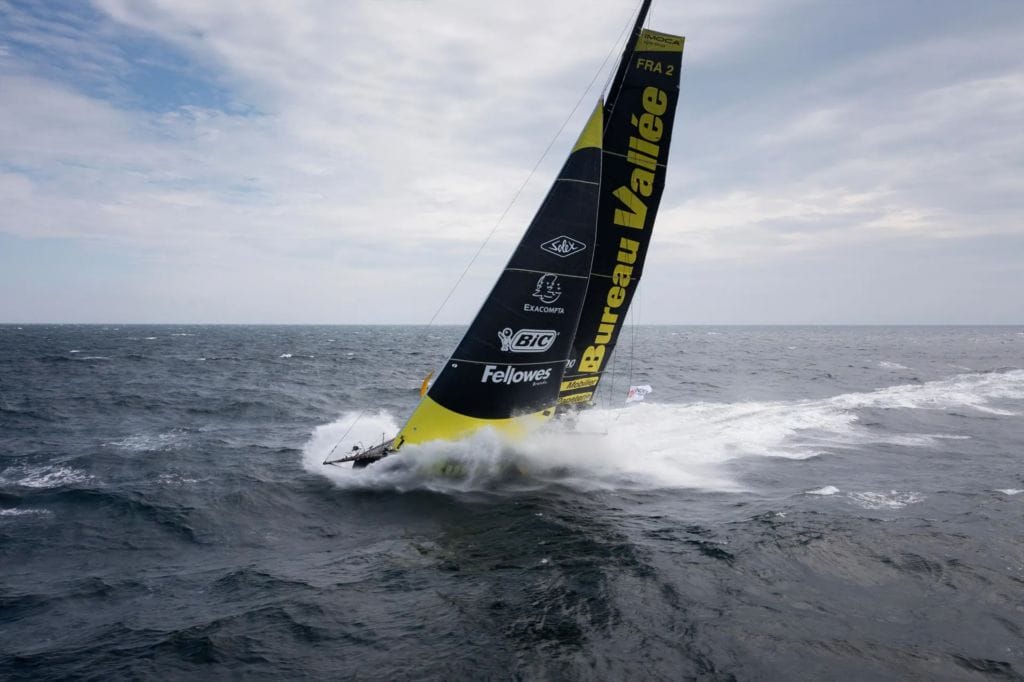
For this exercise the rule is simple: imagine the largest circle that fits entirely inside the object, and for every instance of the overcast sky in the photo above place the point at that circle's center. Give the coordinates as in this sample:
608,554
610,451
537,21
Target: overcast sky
341,162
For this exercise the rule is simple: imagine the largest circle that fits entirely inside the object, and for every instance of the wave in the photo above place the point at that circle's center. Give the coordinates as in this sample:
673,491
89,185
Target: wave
653,445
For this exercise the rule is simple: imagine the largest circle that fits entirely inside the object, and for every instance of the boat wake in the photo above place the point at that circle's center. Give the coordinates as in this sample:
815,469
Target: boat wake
651,445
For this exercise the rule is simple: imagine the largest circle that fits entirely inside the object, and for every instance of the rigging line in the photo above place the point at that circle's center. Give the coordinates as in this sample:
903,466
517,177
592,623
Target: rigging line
515,197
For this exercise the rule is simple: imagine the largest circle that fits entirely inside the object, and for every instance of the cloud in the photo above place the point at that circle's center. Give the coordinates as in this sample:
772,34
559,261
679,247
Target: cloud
385,138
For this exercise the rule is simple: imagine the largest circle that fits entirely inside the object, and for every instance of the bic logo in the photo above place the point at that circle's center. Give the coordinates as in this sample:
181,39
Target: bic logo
526,340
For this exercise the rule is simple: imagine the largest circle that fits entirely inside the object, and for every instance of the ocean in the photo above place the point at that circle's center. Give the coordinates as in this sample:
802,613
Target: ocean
819,503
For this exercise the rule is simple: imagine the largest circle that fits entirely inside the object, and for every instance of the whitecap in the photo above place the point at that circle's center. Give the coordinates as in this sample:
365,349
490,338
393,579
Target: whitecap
176,479
43,477
1010,491
147,442
25,512
827,490
884,364
285,355
893,499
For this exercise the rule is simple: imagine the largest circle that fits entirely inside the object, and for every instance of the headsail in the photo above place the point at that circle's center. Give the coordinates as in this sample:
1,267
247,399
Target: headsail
505,373
638,128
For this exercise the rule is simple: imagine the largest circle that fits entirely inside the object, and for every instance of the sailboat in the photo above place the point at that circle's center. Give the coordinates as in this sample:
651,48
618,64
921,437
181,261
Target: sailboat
542,338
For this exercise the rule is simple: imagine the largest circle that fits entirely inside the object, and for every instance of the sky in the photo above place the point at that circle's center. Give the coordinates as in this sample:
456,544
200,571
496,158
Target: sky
342,162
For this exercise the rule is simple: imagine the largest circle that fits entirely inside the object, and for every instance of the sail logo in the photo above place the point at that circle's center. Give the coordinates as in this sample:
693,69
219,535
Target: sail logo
510,375
563,246
643,155
526,340
548,289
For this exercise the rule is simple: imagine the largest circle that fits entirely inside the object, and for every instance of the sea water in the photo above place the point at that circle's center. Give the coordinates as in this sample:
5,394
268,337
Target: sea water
789,503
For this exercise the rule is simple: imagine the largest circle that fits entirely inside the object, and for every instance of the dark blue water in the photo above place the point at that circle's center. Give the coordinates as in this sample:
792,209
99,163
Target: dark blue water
789,503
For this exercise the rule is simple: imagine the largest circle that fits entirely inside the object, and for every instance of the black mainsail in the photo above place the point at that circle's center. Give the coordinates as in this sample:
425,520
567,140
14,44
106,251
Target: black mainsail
505,372
638,128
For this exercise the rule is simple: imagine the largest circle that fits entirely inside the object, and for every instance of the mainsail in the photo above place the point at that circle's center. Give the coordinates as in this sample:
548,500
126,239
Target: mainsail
638,128
505,373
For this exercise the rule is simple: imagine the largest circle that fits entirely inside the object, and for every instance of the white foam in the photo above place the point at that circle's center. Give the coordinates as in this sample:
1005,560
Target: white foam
150,338
1010,491
974,391
25,512
893,499
827,490
891,365
176,479
43,477
653,445
147,442
74,351
285,355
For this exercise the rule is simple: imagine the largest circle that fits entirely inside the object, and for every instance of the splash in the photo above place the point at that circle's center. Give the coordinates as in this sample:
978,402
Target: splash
652,445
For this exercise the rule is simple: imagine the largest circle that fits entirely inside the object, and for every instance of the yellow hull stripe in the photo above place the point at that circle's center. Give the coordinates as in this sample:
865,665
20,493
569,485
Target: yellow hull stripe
430,421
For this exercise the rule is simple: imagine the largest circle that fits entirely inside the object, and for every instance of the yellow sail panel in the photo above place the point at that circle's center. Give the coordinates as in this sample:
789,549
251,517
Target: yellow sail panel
592,132
578,383
431,421
575,398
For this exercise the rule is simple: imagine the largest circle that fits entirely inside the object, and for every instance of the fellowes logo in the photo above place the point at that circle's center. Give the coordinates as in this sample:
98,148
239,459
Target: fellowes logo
510,375
526,340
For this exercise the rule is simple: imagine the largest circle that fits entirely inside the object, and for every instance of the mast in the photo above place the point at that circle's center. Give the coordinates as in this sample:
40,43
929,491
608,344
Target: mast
620,73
